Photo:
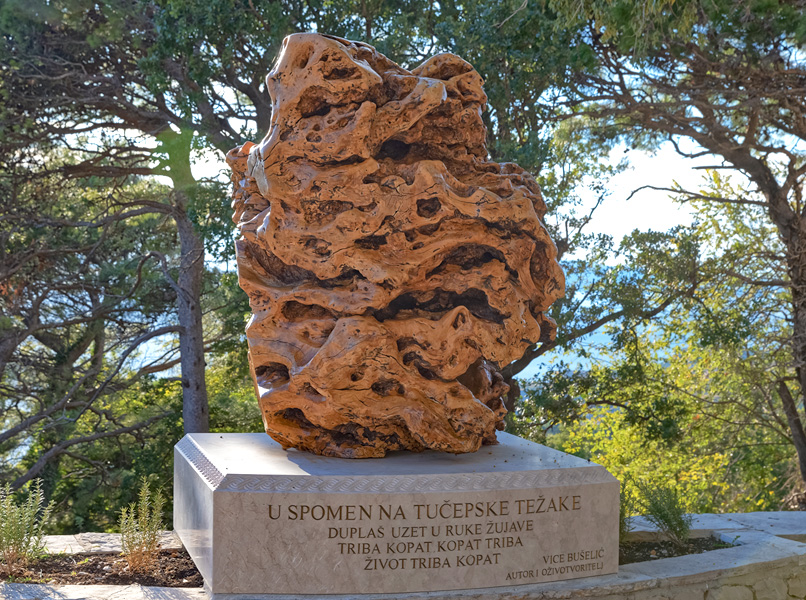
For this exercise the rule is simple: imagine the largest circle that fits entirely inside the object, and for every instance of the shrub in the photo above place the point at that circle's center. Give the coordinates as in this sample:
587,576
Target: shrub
627,508
665,509
22,526
140,526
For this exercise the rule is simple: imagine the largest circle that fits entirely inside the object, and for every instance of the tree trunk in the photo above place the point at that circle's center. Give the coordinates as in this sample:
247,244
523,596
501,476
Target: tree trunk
797,273
788,224
365,12
795,426
195,408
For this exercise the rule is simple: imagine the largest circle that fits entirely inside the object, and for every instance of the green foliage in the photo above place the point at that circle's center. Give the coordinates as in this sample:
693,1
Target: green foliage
232,400
688,398
711,78
627,508
641,28
90,498
92,501
81,301
22,526
695,421
664,507
140,526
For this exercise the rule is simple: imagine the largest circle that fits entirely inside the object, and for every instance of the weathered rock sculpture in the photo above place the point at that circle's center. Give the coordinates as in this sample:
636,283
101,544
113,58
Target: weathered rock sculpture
392,269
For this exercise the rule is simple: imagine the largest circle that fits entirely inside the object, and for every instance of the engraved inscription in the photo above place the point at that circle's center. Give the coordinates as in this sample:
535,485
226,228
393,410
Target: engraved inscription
450,534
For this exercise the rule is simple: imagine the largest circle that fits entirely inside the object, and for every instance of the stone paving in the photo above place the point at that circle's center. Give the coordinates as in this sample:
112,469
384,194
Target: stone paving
100,542
27,591
768,563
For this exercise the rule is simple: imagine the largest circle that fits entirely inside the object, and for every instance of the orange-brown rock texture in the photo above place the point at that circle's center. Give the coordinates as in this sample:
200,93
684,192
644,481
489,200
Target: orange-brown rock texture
392,269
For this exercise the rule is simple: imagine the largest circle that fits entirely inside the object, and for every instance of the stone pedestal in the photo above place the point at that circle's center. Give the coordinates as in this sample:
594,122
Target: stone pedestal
258,520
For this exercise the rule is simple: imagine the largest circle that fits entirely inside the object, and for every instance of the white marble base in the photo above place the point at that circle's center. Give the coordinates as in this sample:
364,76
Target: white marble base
258,520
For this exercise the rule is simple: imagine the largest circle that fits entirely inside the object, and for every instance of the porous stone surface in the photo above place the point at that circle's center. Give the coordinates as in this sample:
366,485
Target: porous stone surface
392,268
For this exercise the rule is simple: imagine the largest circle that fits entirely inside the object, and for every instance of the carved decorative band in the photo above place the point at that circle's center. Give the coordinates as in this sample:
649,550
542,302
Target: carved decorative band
415,483
194,455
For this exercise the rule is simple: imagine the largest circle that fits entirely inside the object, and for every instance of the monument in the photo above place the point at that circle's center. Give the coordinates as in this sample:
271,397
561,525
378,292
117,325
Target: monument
392,270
